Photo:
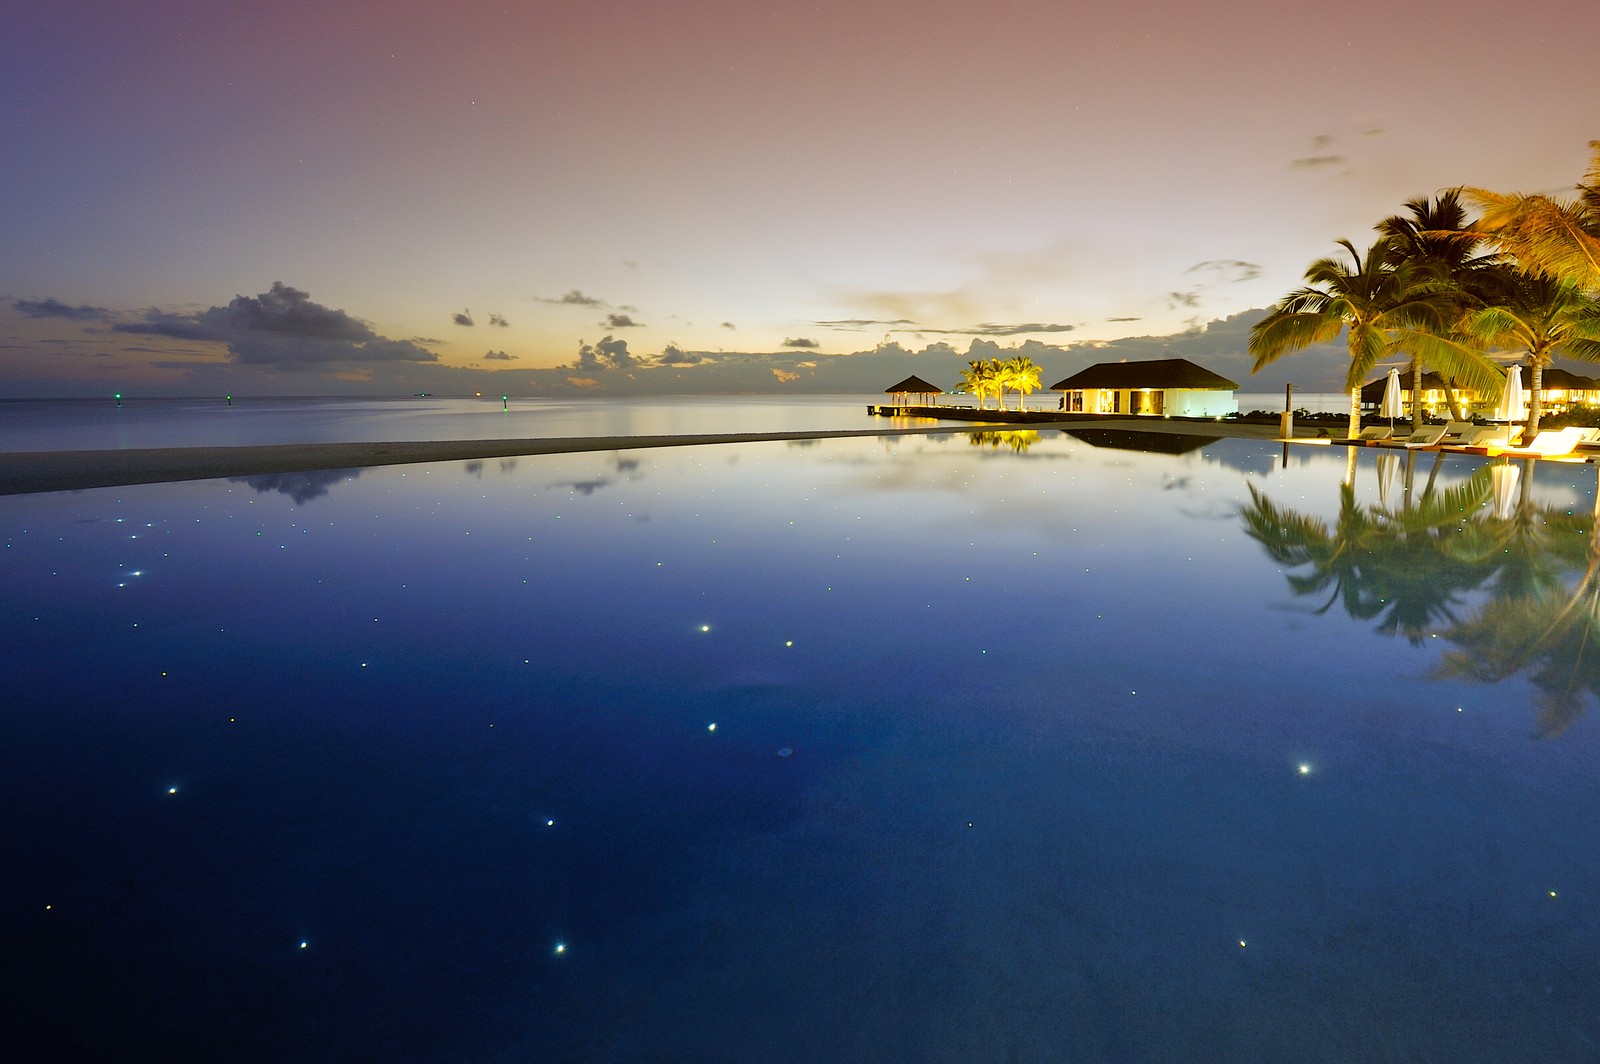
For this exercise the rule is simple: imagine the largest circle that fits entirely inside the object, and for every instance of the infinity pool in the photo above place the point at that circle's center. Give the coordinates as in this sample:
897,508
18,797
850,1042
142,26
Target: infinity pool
977,747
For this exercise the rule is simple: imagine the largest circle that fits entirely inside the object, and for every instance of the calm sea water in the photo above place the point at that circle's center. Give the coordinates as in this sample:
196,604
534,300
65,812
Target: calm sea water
84,424
1011,747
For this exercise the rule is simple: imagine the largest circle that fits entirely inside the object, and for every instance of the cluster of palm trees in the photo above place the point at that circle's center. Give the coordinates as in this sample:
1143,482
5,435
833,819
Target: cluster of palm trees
1447,292
997,376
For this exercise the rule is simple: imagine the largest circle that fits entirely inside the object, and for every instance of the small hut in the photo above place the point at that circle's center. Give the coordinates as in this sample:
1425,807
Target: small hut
915,387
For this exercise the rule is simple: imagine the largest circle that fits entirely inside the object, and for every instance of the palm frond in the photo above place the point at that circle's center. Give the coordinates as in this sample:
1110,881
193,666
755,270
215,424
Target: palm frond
1280,334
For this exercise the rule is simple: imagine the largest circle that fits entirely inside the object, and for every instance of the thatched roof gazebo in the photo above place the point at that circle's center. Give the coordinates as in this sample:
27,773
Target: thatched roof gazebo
927,394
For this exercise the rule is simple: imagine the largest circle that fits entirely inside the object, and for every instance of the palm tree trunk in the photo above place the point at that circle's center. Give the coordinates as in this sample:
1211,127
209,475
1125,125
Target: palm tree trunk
1457,411
1416,395
1536,395
1355,412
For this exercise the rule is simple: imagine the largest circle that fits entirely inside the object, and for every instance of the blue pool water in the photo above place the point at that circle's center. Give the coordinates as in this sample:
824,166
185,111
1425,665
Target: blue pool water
1027,747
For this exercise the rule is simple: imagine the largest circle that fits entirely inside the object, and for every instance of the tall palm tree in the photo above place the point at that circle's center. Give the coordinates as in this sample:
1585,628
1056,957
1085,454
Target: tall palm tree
979,379
1381,305
1434,238
1557,238
1022,375
1544,317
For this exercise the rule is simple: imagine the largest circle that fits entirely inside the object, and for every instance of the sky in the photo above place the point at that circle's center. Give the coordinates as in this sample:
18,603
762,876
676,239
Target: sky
622,197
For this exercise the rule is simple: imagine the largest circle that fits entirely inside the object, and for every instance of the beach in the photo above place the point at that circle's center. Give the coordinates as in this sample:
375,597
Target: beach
26,472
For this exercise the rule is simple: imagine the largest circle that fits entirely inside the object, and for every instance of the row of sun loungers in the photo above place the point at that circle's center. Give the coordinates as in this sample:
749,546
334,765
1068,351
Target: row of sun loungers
1486,439
1451,434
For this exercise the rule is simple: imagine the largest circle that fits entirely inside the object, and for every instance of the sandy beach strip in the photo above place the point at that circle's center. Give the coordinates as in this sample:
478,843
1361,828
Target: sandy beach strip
25,472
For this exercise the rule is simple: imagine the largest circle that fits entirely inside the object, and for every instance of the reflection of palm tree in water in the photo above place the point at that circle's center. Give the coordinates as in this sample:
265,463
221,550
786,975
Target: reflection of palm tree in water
1407,566
1018,440
1412,564
1541,627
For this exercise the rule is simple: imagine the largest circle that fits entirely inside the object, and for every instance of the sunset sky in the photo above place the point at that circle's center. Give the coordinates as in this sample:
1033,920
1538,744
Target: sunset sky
616,195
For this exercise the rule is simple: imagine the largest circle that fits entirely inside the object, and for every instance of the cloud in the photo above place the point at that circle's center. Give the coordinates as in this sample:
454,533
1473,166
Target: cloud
1227,271
574,298
990,329
729,325
861,323
54,308
499,356
993,329
1183,299
608,354
673,355
1124,319
499,320
463,318
621,321
282,327
1318,162
799,341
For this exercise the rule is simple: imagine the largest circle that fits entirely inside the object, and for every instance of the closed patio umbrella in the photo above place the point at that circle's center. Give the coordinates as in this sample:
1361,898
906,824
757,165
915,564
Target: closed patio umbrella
1513,406
1391,407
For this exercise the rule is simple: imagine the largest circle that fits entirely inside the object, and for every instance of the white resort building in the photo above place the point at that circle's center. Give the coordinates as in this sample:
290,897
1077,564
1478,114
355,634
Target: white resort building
1162,387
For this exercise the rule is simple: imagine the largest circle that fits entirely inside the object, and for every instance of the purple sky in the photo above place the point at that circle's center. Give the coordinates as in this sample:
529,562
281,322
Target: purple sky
629,196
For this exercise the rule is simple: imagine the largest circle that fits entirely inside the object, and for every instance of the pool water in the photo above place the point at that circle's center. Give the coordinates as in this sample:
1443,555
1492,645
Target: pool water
982,746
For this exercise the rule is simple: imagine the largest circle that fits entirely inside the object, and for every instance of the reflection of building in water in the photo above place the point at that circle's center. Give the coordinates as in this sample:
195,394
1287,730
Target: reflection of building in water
1149,442
1162,387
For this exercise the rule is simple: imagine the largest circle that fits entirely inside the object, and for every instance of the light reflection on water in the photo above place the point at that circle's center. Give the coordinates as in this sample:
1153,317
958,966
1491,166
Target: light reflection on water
1078,769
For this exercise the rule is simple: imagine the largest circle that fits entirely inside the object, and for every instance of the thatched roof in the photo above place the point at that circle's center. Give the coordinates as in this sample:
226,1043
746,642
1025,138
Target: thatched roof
1151,373
915,385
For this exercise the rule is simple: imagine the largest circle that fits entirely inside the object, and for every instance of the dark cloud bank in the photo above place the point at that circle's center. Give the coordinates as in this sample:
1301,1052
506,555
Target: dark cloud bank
282,328
283,343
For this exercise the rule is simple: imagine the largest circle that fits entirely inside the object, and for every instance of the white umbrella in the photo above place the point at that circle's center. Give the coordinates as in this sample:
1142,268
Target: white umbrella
1512,405
1387,464
1391,407
1503,488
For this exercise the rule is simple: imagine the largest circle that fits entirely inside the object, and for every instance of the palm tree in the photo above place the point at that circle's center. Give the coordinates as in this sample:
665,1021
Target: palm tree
1434,238
1023,375
1556,238
979,379
1546,318
1381,304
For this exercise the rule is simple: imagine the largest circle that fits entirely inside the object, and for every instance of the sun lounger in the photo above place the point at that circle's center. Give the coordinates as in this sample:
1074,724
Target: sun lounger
1459,431
1489,435
1426,436
1374,433
1551,443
